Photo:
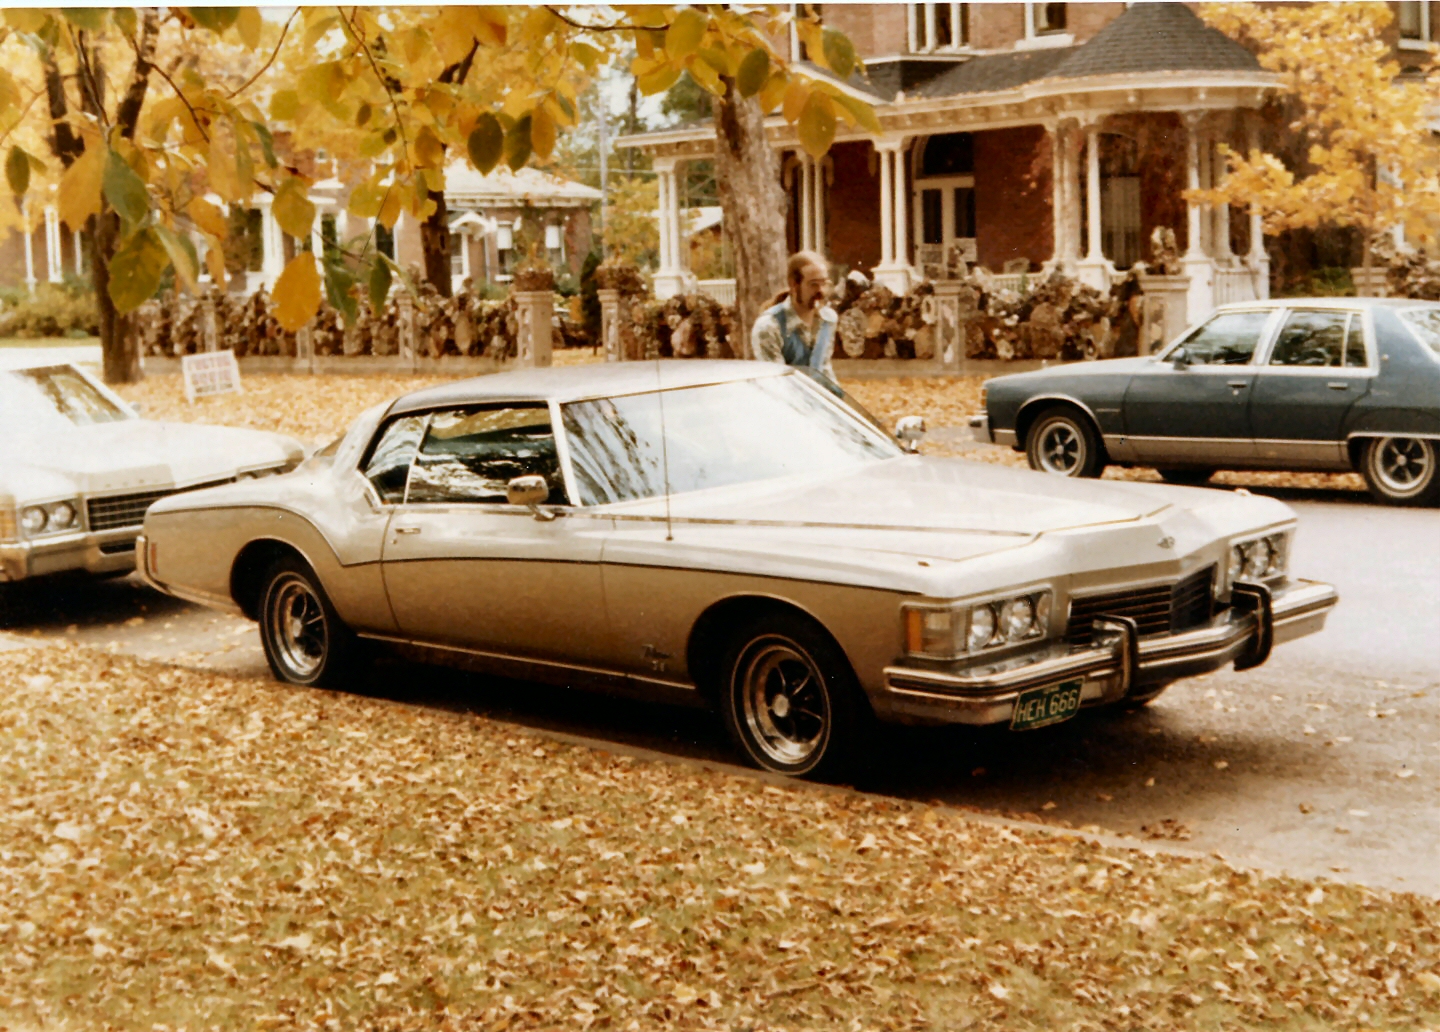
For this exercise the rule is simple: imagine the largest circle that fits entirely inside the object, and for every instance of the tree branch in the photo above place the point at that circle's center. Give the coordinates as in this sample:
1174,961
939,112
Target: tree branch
149,64
615,27
266,66
379,76
127,115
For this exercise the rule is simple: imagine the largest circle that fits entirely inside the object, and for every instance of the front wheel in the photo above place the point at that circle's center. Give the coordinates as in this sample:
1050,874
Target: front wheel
305,640
1063,442
1401,470
791,700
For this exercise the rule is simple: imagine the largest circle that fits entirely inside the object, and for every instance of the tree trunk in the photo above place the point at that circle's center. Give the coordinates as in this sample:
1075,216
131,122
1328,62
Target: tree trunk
119,344
435,239
747,174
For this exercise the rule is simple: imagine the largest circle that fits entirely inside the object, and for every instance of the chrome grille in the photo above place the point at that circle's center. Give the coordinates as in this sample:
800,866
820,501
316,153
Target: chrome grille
128,510
1158,609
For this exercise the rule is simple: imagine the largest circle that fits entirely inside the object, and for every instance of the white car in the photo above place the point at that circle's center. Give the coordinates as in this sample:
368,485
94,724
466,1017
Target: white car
79,467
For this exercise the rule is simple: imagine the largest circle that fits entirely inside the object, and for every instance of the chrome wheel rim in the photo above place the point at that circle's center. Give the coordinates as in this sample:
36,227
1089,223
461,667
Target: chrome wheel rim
295,625
1060,449
784,705
1402,465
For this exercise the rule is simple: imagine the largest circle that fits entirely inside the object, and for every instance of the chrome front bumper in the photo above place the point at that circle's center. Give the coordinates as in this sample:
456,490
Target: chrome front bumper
1118,662
109,551
980,431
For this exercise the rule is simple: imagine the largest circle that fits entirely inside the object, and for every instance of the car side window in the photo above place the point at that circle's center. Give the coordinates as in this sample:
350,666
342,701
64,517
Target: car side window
1317,340
1230,338
388,466
469,455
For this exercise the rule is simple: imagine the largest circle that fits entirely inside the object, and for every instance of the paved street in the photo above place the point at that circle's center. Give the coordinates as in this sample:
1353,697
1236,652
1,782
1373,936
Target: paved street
1325,761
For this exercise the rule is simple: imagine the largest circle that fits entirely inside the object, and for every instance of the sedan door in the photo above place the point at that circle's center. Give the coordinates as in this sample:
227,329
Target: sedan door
1196,411
466,569
1318,367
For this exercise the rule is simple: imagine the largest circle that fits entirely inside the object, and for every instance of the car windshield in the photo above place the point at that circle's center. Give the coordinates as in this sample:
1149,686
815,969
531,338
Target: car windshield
1425,324
712,436
39,399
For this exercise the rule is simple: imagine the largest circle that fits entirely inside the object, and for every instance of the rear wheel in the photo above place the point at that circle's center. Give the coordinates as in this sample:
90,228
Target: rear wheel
791,701
1062,441
305,640
1401,470
1187,477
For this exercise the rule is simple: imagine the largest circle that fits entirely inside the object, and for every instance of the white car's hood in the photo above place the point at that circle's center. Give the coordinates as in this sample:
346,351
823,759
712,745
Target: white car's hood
137,454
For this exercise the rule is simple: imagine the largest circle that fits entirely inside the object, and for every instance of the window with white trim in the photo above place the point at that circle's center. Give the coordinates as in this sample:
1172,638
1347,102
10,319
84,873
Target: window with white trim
936,28
1046,25
505,250
1414,22
555,244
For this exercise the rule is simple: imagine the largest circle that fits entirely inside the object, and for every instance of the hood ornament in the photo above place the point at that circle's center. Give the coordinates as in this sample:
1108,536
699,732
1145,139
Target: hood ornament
1166,542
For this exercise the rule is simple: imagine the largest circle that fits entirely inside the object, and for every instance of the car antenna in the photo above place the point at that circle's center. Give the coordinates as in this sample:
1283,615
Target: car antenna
664,450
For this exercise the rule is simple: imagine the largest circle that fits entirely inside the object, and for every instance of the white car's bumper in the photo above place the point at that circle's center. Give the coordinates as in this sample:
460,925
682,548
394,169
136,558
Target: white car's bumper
101,552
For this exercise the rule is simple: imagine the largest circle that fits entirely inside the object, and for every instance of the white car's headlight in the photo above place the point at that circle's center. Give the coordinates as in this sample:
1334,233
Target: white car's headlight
63,516
1260,559
33,519
949,632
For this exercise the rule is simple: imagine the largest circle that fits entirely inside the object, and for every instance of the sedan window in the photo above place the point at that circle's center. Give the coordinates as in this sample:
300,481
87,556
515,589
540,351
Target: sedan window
470,455
1228,339
1319,340
1425,324
388,467
728,433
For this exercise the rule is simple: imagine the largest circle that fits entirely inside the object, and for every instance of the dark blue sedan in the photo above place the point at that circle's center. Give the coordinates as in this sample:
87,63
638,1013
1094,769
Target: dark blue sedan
1325,385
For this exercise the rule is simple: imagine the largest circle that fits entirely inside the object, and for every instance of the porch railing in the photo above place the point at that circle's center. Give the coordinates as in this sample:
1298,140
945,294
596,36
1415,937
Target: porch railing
1235,285
722,290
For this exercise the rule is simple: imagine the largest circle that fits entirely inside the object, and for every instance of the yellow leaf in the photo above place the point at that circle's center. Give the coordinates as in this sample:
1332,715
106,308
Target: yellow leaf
429,151
135,270
796,96
297,292
773,93
542,132
248,25
390,208
816,127
293,209
658,81
683,36
215,263
222,167
80,186
208,218
284,105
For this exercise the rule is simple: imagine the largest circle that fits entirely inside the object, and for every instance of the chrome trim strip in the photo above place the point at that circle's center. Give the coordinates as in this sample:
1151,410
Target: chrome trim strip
1381,433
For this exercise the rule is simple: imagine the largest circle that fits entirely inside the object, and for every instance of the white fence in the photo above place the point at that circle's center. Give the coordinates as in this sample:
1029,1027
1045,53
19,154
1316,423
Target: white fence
722,290
1235,285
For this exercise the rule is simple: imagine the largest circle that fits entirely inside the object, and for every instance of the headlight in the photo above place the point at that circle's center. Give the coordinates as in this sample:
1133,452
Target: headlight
62,516
33,519
949,632
1263,558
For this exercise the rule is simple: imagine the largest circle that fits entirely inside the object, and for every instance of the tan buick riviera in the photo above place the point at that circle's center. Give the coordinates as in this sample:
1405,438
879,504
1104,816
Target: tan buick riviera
731,534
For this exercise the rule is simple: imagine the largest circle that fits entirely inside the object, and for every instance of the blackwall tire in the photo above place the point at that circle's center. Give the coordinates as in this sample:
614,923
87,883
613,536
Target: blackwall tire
306,642
1062,441
1402,470
791,701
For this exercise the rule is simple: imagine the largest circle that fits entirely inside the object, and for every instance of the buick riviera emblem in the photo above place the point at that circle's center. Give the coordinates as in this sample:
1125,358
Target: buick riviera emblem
1166,542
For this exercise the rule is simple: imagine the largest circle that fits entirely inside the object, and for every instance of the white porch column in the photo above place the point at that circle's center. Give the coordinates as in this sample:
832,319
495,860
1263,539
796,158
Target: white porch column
806,170
317,235
1094,270
1065,200
272,245
1220,213
54,266
79,254
887,210
894,269
1257,259
1200,299
818,194
29,246
670,278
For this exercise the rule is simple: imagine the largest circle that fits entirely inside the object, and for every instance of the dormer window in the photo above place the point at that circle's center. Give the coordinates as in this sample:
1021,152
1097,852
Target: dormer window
1046,25
1414,22
937,28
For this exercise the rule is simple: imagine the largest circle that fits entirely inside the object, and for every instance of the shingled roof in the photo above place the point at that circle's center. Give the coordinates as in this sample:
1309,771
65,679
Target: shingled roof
1156,37
1148,37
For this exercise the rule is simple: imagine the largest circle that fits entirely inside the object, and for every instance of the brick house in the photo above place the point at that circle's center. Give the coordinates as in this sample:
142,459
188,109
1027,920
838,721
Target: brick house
1025,137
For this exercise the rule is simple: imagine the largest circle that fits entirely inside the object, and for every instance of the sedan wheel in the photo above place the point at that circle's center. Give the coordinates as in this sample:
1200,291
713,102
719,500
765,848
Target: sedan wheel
1062,442
791,701
305,640
1402,470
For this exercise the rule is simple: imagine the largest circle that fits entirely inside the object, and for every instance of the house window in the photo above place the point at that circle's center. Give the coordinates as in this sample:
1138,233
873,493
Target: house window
1414,21
555,244
505,250
384,240
1120,220
457,256
1046,25
330,236
938,27
945,199
798,50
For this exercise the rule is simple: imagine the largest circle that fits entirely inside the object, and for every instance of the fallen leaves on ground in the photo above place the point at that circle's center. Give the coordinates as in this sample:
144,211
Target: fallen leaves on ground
183,849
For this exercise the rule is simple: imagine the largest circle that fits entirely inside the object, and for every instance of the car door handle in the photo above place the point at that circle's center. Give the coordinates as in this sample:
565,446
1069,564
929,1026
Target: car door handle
1338,386
407,530
1237,384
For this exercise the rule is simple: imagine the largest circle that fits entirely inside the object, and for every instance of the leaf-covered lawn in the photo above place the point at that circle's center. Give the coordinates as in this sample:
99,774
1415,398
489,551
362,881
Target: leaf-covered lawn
186,850
317,409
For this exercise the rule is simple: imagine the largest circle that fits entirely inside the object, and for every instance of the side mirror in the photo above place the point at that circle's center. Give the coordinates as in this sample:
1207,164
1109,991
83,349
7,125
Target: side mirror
529,490
909,430
1180,358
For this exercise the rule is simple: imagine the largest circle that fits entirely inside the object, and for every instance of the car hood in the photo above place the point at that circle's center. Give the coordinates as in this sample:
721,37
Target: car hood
940,526
136,454
1099,367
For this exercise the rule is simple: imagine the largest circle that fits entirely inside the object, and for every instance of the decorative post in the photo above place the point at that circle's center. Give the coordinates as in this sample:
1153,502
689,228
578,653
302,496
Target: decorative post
670,277
1200,298
209,323
536,312
610,323
408,346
